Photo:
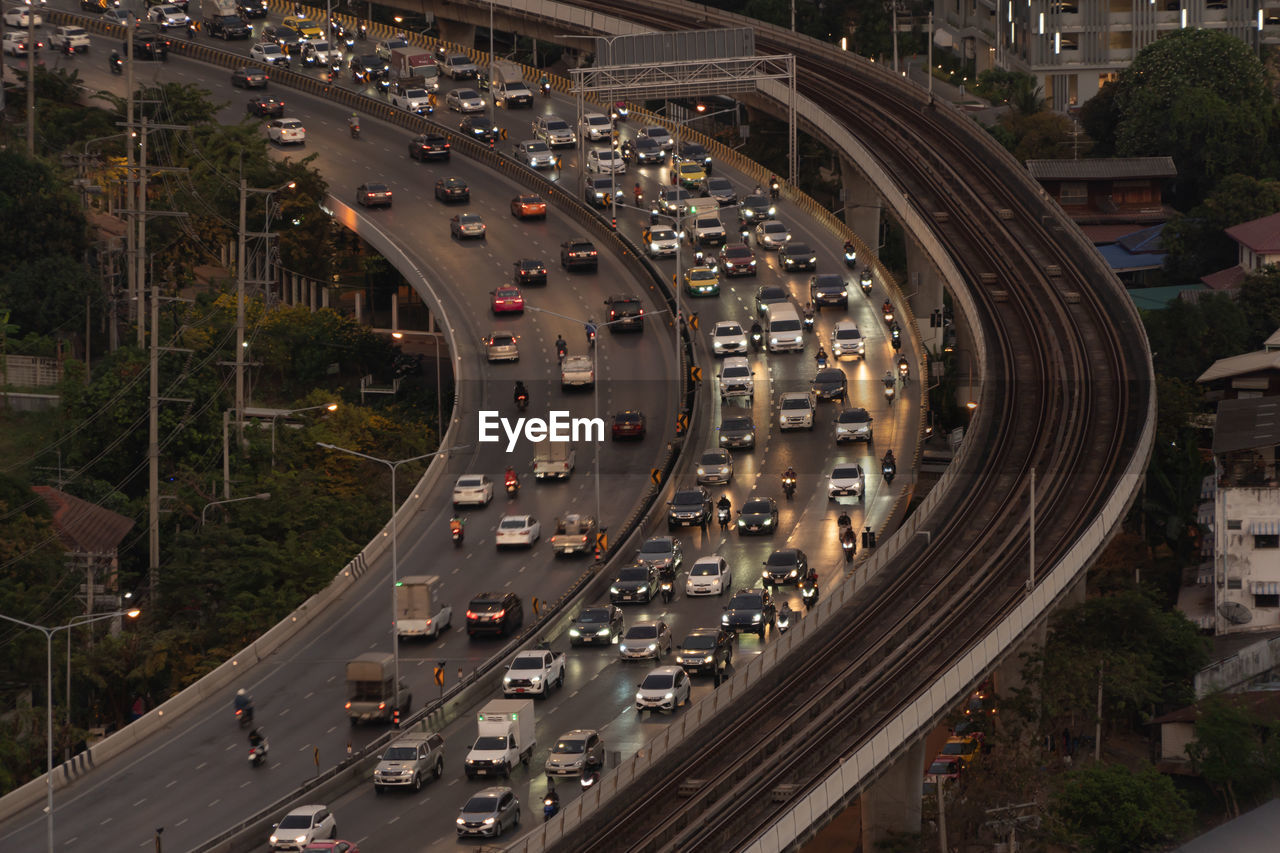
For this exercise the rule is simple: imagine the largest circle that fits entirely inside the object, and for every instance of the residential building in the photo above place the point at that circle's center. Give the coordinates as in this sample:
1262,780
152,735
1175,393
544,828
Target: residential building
1257,247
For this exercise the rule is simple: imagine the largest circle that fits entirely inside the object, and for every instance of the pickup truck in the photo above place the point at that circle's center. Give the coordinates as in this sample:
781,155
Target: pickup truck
410,94
70,39
575,534
577,371
534,673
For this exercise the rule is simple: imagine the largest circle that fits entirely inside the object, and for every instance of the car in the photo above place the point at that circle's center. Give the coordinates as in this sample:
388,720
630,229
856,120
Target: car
507,300
736,379
795,410
554,131
750,610
715,467
786,565
252,8
966,749
409,760
472,490
383,48
737,259
659,135
689,508
249,78
665,688
845,479
853,425
452,189
410,98
626,314
772,234
373,195
606,161
628,424
535,154
489,812
830,383
289,39
517,530
479,128
795,255
727,337
688,175
429,146
301,826
635,583
847,341
650,639
15,44
770,294
318,52
702,281
709,576
96,6
20,17
674,201
705,650
737,431
283,130
501,346
579,254
719,189
464,101
331,845
754,210
494,613
661,552
529,206
168,16
828,290
601,190
149,46
600,625
660,241
596,126
468,226
758,516
271,54
643,150
574,752
693,152
311,30
70,39
943,768
529,272
456,65
117,17
225,27
367,68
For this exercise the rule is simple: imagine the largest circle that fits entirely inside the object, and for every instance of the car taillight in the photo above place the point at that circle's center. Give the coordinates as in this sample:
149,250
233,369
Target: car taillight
500,614
347,706
382,706
471,614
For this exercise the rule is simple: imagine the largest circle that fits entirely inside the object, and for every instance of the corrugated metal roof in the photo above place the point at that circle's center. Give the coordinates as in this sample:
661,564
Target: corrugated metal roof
1252,832
1246,424
1238,365
1102,168
83,526
1225,279
1260,235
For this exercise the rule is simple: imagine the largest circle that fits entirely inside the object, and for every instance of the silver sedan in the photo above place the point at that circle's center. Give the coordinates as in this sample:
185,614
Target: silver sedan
464,101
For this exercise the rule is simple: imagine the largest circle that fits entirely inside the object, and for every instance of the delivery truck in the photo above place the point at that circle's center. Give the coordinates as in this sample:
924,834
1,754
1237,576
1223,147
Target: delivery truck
416,62
372,694
504,737
419,610
553,459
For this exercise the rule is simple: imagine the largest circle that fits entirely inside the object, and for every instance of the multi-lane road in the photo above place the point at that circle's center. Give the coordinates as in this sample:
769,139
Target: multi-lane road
194,781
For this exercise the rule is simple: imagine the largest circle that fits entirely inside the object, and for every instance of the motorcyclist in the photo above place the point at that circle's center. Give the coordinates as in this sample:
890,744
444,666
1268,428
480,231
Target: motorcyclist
256,738
888,379
591,331
115,60
888,458
455,528
723,509
759,190
848,247
785,615
520,392
561,346
512,476
887,307
821,357
639,194
789,476
353,123
552,799
244,704
756,330
844,521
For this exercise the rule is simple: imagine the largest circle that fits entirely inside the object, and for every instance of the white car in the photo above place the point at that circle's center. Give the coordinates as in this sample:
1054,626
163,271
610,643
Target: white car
15,43
659,135
845,479
464,101
606,161
772,234
650,639
715,466
535,153
665,688
727,337
795,410
596,127
502,346
286,130
303,825
709,576
19,17
735,378
847,341
411,100
853,425
517,530
472,490
269,53
168,16
554,131
661,242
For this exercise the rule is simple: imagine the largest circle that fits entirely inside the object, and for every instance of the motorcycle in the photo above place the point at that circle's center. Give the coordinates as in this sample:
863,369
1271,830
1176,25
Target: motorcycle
550,805
513,488
620,112
589,778
809,594
117,66
522,401
546,89
784,620
591,337
888,469
667,585
889,391
904,370
850,257
258,754
774,189
455,532
722,515
808,317
355,129
846,543
865,282
887,309
561,349
757,339
789,486
820,359
895,337
244,716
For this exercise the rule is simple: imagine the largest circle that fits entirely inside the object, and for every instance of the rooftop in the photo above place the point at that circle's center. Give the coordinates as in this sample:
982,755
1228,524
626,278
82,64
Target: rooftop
1247,423
1240,365
83,526
1102,168
1261,236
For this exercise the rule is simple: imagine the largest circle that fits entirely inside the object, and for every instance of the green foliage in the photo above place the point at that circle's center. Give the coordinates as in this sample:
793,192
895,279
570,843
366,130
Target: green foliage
1039,135
39,215
1000,86
1108,808
48,294
1099,117
1260,301
1185,338
298,345
1236,751
1196,241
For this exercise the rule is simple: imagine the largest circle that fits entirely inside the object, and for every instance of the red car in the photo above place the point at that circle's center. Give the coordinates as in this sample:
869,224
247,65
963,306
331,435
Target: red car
530,206
628,424
508,300
737,259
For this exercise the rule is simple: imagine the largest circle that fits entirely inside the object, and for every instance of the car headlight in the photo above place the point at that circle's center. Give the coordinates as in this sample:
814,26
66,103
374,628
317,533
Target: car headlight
708,659
614,590
488,821
725,619
669,696
273,838
639,696
768,521
622,647
792,574
644,587
702,471
535,679
653,647
460,823
603,632
506,679
300,839
755,617
742,522
574,632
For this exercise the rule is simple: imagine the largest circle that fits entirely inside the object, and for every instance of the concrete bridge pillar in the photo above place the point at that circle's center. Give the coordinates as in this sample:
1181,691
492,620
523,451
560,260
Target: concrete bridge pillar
923,289
892,803
457,32
862,204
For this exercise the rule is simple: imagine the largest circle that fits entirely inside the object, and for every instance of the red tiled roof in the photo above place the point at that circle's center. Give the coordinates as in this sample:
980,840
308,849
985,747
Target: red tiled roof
1260,235
1224,279
83,526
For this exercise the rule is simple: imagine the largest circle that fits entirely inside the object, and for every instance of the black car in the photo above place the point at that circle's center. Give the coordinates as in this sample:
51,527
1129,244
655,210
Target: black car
599,625
661,552
626,314
797,256
705,650
252,8
738,431
289,39
828,289
749,610
830,383
634,583
755,208
365,69
579,254
479,128
249,78
498,613
788,565
758,516
599,190
689,508
692,152
770,294
529,271
429,146
225,27
452,189
265,107
643,150
149,45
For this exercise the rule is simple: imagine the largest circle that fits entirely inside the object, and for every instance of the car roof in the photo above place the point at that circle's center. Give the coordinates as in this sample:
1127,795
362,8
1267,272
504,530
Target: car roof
495,791
709,558
577,733
308,809
664,670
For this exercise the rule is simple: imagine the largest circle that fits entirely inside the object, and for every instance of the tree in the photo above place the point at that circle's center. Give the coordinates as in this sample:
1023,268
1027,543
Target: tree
50,293
1000,86
1185,338
1108,808
39,215
1099,117
1260,302
1230,751
1039,135
1197,242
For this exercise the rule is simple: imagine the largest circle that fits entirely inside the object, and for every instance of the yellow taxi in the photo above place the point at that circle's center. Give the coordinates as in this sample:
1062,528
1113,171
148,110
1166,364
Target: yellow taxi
702,281
689,175
307,27
964,748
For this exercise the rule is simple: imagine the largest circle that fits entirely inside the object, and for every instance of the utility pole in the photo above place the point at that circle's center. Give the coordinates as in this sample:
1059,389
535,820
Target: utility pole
32,57
131,232
140,276
241,263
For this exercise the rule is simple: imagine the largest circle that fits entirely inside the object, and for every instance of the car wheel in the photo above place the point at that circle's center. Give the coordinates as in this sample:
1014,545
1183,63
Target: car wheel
517,823
333,833
417,781
438,771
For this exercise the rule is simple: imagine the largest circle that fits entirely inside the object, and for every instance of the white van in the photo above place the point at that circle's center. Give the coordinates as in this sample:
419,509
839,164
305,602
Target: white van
782,328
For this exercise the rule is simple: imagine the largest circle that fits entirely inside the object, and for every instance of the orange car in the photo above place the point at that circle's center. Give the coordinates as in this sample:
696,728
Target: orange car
530,206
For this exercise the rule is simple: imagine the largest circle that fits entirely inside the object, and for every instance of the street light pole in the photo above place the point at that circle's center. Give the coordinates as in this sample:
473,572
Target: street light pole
333,407
48,730
262,496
